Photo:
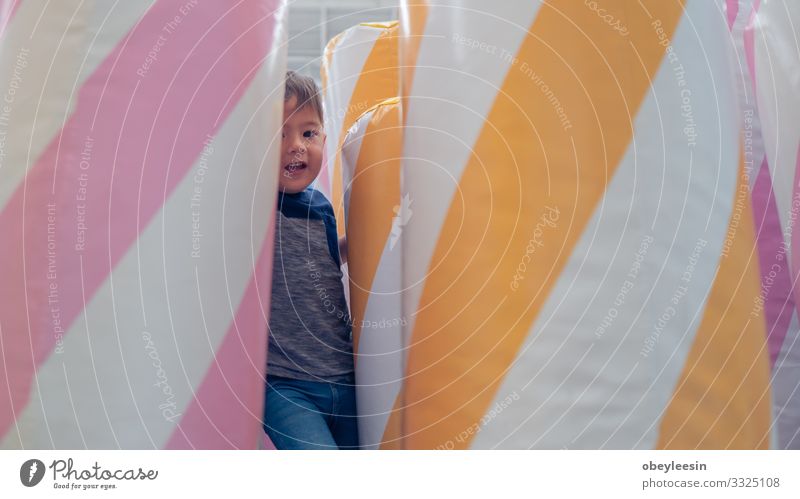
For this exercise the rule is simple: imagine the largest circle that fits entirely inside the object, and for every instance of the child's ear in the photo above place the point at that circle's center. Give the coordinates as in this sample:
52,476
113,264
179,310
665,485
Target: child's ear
324,137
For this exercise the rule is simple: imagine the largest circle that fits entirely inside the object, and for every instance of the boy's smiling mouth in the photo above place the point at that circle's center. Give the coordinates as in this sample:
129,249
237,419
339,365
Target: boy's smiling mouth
295,166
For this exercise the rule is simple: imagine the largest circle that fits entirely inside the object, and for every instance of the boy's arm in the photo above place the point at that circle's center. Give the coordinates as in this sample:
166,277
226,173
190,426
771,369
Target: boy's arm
343,249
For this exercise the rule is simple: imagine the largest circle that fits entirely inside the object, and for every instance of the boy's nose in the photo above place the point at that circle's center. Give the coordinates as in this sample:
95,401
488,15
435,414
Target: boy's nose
297,145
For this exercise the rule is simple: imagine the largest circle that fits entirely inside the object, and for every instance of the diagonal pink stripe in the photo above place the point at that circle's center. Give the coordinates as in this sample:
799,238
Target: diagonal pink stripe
776,273
732,10
796,231
267,443
146,127
7,10
227,408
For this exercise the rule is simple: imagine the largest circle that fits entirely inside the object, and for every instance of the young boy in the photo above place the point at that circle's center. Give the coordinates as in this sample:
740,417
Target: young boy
310,393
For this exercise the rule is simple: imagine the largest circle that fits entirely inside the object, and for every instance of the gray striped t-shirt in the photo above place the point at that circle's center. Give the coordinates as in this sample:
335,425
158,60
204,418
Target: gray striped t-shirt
310,334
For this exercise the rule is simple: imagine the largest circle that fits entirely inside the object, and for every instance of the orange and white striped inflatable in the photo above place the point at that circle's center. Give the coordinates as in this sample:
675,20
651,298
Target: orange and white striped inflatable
359,70
376,214
581,269
139,146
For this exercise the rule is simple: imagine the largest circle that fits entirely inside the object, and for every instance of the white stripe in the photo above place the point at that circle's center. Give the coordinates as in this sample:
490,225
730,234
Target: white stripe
786,389
747,99
453,91
380,369
65,42
108,355
351,149
777,62
581,387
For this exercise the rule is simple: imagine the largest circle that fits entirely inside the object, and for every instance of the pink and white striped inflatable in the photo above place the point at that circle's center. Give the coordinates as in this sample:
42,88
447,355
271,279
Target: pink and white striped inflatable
139,155
764,34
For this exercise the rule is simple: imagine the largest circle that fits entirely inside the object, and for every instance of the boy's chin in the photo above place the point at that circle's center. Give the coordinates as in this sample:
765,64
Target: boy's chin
293,187
297,181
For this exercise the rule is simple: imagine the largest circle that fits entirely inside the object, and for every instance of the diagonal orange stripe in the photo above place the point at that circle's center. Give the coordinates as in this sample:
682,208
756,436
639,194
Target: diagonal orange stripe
576,86
378,81
374,193
393,435
722,399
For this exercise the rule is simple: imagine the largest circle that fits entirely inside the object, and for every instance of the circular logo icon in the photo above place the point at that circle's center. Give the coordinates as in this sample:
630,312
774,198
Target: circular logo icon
31,472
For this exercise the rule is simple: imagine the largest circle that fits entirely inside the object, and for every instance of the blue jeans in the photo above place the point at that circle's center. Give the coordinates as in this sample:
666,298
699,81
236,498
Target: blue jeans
301,414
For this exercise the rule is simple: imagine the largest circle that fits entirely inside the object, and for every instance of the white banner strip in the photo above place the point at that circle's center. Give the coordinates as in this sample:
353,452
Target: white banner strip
685,474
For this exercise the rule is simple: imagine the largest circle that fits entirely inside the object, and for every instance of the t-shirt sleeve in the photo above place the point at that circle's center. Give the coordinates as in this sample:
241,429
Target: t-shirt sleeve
322,207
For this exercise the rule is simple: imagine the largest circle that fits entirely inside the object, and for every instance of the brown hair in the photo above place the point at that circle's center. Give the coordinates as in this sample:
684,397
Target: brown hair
306,91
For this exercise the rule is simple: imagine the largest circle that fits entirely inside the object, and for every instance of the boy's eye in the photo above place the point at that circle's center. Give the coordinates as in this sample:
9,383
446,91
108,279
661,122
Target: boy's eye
309,133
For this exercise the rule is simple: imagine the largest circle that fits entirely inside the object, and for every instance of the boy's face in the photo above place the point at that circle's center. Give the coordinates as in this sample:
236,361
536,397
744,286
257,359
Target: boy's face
301,150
